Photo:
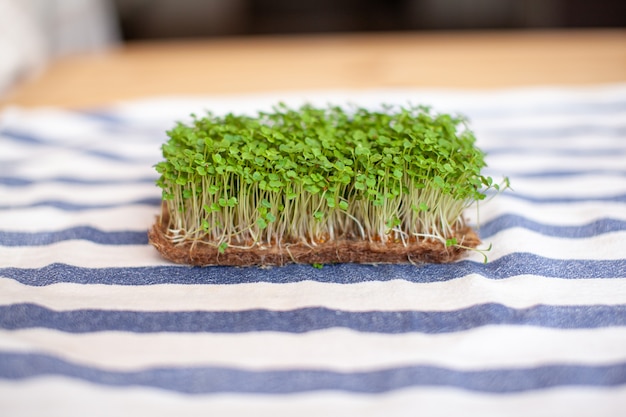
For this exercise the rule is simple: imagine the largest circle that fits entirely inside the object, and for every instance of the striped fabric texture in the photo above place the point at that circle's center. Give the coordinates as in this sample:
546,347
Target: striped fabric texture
94,322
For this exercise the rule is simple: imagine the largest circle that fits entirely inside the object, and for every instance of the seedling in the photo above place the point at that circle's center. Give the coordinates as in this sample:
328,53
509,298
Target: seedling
319,185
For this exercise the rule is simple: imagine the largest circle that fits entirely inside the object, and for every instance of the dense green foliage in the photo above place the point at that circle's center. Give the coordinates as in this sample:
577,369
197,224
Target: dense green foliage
313,174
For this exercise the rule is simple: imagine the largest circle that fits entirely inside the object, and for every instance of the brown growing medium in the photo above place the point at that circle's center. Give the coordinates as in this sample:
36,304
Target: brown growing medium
319,186
340,251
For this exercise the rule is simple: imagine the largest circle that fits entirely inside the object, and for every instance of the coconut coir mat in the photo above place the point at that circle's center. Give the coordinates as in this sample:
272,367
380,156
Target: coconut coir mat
341,251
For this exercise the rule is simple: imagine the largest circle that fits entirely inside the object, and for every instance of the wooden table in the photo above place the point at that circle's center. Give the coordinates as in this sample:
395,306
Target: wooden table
233,65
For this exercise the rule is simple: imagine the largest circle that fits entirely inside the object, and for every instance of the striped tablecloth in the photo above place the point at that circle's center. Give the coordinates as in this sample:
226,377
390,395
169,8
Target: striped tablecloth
94,322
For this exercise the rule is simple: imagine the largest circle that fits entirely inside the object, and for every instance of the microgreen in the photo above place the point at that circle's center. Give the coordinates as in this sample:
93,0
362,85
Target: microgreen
313,175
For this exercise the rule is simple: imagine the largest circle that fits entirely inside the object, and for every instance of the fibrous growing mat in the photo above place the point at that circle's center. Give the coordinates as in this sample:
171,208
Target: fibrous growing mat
319,185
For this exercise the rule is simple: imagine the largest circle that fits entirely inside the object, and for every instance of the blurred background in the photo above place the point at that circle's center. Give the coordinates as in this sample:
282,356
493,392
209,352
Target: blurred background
32,32
141,19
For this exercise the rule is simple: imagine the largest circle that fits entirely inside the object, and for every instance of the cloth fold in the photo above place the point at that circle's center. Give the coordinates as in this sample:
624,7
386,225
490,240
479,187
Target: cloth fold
93,320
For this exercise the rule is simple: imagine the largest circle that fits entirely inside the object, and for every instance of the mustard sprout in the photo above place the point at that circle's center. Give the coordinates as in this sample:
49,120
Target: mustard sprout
313,175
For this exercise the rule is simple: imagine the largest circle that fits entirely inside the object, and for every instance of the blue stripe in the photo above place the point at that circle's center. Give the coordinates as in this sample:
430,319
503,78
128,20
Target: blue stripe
487,230
529,151
117,127
102,116
505,267
66,206
567,173
619,198
24,182
557,132
24,316
596,228
74,233
212,380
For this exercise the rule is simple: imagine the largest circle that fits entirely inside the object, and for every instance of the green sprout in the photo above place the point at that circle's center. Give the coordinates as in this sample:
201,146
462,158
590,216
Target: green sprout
313,175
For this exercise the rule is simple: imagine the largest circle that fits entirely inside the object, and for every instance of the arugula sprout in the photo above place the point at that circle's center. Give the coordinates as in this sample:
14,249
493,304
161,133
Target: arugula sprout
314,175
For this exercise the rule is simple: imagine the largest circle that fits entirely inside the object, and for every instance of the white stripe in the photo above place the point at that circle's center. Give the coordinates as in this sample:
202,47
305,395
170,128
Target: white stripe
56,396
46,219
510,164
505,102
57,126
494,146
137,141
124,146
340,350
70,164
559,214
80,194
573,147
515,240
508,103
575,402
547,121
584,186
519,292
80,253
12,151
